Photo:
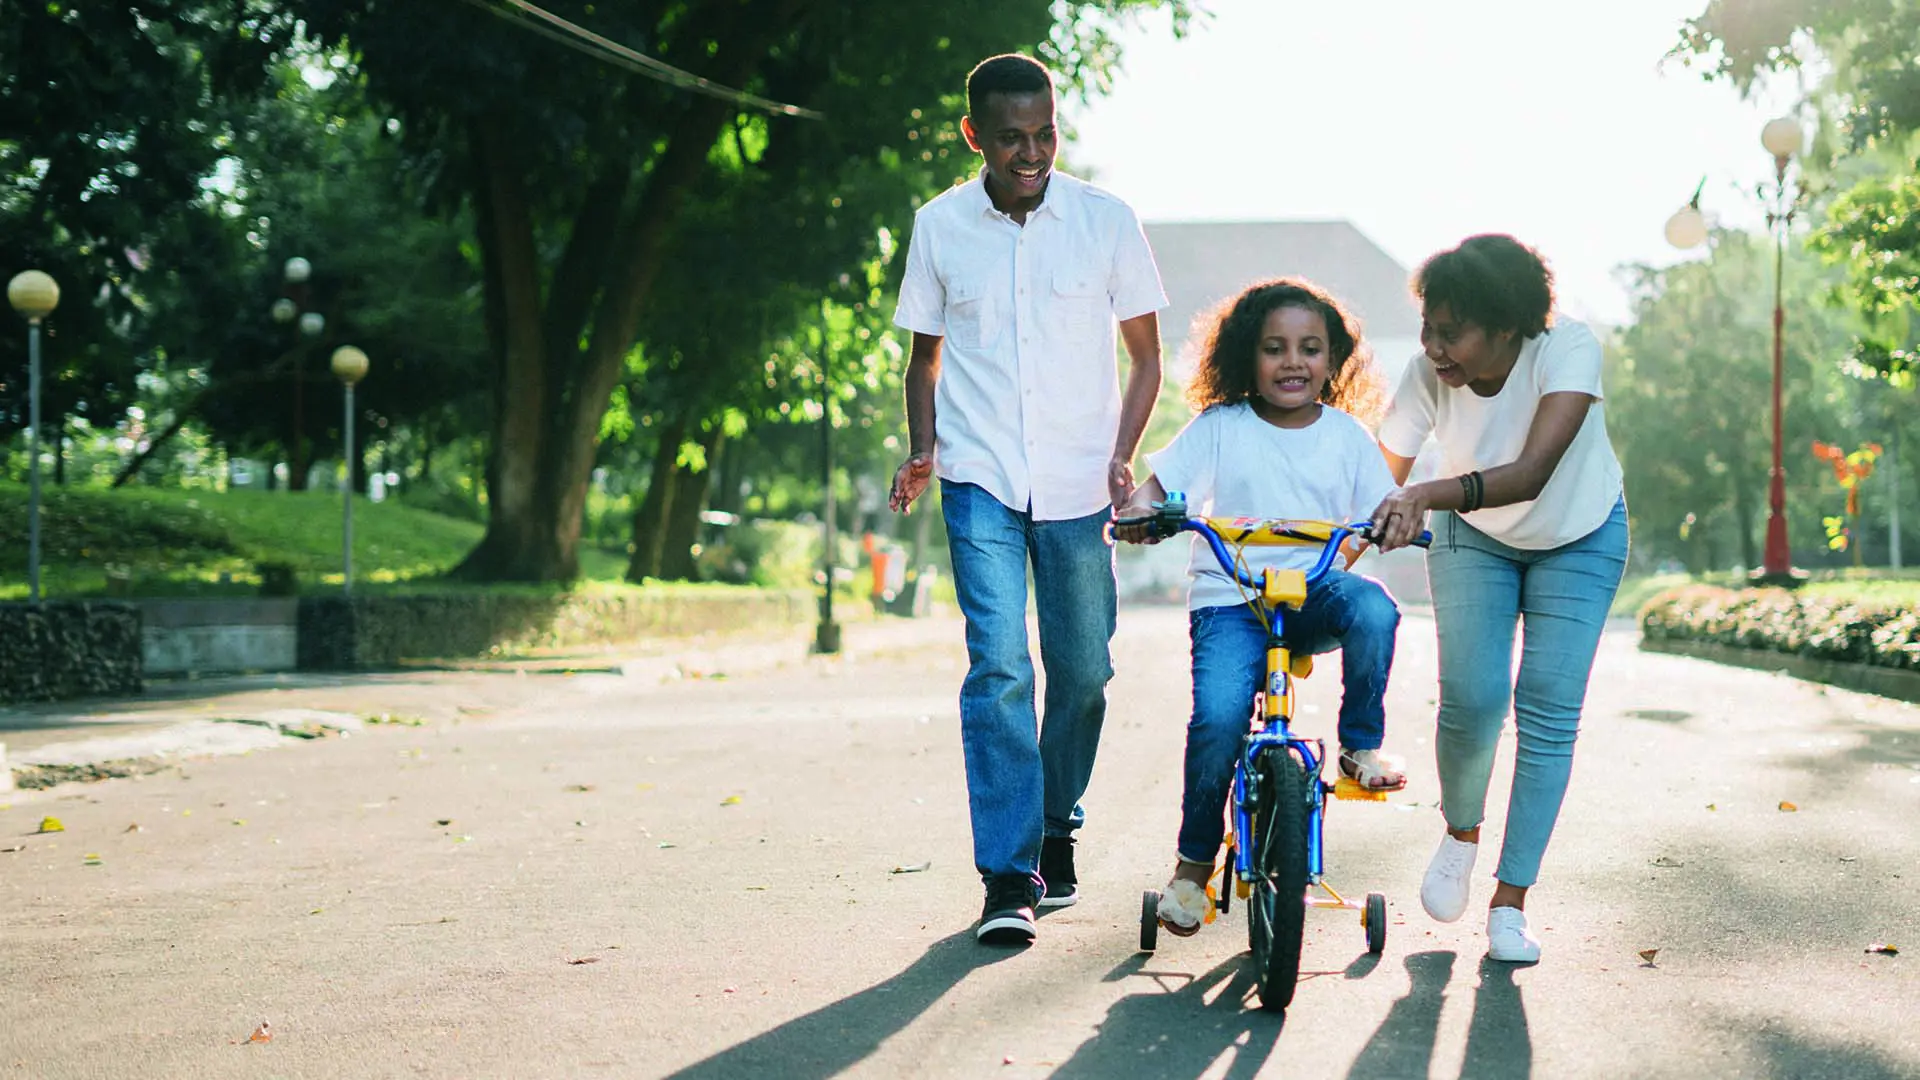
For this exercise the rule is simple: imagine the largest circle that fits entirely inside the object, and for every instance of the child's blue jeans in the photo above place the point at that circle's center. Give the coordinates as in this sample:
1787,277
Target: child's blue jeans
1344,611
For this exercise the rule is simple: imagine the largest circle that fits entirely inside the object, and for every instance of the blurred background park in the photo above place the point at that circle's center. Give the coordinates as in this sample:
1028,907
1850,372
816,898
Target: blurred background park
624,274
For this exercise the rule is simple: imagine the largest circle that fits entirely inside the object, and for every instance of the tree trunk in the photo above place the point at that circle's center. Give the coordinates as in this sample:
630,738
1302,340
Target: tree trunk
1743,515
650,518
691,489
551,396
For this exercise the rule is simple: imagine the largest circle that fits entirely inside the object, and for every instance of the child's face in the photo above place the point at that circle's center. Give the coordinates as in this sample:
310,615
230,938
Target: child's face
1293,364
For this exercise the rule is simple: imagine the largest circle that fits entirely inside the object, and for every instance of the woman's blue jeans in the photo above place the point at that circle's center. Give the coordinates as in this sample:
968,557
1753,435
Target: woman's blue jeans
1344,611
1482,589
1024,778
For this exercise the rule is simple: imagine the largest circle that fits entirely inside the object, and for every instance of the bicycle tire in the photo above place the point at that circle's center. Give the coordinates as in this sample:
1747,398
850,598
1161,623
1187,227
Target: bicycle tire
1276,910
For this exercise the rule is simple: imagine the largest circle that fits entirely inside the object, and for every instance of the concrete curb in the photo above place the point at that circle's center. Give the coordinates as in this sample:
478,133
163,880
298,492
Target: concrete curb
138,755
1896,683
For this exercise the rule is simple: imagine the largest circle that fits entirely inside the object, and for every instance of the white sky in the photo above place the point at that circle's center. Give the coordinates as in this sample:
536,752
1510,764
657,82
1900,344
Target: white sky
1425,121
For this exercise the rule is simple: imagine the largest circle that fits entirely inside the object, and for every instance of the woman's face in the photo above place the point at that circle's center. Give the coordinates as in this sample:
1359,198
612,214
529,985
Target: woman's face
1463,352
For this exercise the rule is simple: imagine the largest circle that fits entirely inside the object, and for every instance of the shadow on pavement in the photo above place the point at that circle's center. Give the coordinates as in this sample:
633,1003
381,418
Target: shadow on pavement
836,1037
1787,1053
1499,1045
1180,1033
1403,1043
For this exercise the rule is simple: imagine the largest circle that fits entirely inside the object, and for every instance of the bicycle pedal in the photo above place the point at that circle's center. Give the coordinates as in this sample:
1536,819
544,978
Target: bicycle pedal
1348,788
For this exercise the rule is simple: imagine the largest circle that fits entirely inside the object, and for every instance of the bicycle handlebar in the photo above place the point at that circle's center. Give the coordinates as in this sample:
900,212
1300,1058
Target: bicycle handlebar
1172,520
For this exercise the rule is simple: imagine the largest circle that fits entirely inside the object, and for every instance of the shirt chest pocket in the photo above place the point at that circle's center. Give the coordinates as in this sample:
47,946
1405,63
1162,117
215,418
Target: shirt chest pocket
973,318
1079,300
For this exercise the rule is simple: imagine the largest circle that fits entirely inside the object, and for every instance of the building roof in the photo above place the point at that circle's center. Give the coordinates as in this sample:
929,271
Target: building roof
1205,262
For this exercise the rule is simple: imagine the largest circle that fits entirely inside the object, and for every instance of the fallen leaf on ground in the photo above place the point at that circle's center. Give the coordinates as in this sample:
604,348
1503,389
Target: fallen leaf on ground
914,869
92,860
51,824
1648,955
1787,807
1711,806
1668,862
316,911
731,800
1884,950
443,821
579,787
260,1034
668,844
11,850
1849,858
585,960
135,827
239,821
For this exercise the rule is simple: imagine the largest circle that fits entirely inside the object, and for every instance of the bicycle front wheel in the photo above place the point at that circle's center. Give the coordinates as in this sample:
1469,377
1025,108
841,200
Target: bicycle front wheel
1276,911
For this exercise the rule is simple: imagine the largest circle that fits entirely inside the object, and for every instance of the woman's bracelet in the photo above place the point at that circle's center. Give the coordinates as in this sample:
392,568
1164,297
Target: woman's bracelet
1473,491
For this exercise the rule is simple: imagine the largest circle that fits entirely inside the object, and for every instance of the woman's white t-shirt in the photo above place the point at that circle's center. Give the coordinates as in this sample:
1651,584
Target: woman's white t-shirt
1231,463
1477,432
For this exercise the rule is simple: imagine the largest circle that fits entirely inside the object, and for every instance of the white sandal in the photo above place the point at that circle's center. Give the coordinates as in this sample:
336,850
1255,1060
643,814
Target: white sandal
1185,907
1373,770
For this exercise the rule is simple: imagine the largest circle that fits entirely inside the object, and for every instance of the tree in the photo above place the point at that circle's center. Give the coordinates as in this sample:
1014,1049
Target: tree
106,136
1866,161
579,173
1689,406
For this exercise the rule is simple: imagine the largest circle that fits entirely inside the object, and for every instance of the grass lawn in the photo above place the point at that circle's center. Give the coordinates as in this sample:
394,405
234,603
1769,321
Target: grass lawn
170,542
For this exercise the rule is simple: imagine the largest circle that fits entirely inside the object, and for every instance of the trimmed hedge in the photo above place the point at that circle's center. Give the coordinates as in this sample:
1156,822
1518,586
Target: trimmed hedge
68,649
337,633
1815,626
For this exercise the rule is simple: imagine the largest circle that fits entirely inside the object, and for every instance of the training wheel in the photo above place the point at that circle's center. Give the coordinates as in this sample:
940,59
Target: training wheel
1374,918
1149,920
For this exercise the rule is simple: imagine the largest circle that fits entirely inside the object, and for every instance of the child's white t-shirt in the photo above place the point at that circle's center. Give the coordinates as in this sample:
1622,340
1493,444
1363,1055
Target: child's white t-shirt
1481,433
1231,463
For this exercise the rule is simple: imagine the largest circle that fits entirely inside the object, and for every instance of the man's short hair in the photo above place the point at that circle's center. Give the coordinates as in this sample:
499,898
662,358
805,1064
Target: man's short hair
1008,73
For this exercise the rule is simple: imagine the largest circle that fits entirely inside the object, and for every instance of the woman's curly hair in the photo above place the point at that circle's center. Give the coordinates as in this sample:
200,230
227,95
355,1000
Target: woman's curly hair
1230,350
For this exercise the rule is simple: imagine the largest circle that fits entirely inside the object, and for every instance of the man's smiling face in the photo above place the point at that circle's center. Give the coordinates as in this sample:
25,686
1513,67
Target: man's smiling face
1016,136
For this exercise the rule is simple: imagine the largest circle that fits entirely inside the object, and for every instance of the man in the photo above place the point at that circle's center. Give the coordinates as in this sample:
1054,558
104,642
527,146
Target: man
1013,284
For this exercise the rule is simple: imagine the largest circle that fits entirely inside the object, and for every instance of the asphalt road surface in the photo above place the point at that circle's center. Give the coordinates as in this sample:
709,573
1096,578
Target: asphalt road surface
608,875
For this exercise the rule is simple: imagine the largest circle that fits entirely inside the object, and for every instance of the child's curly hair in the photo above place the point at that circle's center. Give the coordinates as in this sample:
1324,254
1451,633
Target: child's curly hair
1230,351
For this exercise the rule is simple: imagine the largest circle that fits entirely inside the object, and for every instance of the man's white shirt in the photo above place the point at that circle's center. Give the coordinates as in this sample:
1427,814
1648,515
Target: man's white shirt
1028,401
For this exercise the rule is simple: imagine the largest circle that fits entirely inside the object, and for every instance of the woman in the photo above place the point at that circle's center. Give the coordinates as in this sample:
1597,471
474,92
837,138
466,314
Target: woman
1532,530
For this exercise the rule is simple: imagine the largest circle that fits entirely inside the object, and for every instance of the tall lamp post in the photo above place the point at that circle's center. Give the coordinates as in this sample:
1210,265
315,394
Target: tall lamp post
33,294
1687,228
1782,138
349,366
295,274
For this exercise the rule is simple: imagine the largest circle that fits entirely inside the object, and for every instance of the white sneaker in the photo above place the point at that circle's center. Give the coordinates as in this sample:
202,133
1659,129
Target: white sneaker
1449,879
1509,939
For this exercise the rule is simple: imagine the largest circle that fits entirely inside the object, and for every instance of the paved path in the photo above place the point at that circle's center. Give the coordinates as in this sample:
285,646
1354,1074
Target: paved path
615,875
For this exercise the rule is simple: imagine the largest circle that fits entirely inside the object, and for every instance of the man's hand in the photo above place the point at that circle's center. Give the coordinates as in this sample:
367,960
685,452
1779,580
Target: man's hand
1400,517
1119,481
910,482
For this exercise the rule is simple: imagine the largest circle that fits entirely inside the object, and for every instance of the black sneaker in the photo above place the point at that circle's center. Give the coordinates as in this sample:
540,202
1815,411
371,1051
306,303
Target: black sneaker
1056,869
1008,917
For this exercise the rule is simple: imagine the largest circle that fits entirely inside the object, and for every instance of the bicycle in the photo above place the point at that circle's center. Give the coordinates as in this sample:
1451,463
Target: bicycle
1274,844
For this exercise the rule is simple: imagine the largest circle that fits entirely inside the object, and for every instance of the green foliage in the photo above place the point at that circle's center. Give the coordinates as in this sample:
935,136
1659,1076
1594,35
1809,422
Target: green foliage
1847,625
1864,165
1689,404
383,631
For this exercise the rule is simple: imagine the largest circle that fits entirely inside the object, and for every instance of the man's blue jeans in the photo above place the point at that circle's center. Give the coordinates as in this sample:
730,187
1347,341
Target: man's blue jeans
1344,611
1482,589
1025,778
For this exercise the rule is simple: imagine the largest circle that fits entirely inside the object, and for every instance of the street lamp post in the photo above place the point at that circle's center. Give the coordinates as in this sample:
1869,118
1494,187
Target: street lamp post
33,294
1782,138
294,273
826,637
1688,228
349,366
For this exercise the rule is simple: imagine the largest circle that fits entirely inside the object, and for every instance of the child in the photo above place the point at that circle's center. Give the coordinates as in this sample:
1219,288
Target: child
1282,374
